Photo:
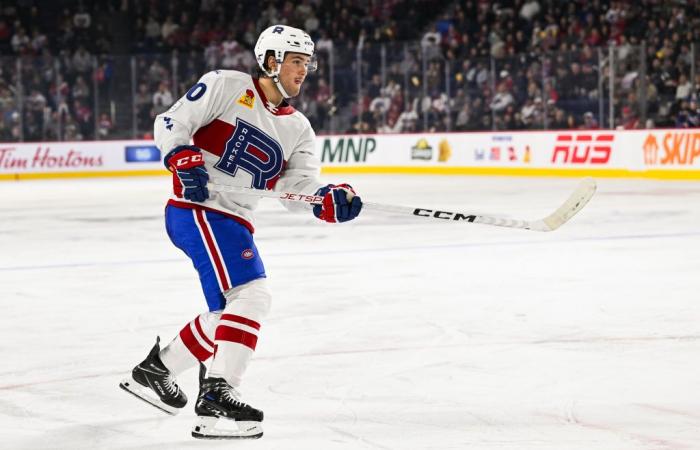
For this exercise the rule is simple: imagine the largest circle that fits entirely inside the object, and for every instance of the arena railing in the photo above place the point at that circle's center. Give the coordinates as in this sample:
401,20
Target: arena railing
361,88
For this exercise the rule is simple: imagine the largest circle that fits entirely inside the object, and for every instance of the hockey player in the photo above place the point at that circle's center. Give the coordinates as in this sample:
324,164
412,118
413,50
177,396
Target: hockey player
244,133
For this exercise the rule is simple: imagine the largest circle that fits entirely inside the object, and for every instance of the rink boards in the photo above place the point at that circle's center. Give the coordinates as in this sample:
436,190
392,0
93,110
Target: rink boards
666,154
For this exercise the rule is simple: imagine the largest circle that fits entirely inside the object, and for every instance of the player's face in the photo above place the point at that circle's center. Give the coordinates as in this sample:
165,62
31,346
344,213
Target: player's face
293,72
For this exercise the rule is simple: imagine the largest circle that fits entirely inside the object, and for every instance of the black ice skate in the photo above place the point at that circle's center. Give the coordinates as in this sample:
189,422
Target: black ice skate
153,383
221,414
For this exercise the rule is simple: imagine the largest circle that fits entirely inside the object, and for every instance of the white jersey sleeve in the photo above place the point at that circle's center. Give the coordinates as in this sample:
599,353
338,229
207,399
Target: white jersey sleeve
303,168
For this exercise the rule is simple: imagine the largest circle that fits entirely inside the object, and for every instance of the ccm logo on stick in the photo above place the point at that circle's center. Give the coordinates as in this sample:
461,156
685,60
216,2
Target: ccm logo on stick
443,215
583,148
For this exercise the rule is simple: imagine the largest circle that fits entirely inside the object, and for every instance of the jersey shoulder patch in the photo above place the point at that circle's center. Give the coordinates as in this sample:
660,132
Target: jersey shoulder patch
247,99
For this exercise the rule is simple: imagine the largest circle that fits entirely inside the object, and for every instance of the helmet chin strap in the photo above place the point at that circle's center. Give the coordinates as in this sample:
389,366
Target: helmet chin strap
274,74
278,83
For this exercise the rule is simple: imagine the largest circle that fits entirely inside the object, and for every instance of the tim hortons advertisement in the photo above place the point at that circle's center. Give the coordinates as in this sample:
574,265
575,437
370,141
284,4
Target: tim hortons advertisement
46,158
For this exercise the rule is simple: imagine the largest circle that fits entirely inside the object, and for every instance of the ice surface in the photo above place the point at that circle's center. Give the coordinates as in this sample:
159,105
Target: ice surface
388,332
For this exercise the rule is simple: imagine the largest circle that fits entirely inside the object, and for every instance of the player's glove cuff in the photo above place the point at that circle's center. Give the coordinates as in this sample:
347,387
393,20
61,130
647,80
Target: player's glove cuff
340,203
183,157
190,177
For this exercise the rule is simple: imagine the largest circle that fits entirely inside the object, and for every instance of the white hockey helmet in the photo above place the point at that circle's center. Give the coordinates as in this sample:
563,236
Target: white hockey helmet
282,39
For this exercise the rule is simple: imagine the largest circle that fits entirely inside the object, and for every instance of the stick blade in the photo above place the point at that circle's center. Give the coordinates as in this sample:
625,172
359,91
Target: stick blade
575,203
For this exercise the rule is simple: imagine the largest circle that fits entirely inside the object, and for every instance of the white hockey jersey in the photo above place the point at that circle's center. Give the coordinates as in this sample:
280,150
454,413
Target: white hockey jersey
246,141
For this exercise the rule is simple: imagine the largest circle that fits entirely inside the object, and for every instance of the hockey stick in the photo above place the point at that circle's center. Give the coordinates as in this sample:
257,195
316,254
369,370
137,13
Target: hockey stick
576,201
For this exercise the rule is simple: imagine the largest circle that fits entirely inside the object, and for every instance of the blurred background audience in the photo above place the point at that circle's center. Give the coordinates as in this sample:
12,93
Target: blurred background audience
74,70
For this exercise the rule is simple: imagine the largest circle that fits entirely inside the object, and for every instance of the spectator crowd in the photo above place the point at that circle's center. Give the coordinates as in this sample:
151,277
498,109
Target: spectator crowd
535,64
75,70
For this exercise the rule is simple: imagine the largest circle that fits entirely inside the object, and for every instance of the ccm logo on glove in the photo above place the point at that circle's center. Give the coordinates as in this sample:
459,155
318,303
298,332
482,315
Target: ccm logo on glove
186,161
340,203
189,175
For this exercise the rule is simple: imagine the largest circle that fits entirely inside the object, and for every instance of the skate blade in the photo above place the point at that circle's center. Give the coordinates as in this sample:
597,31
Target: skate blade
147,395
222,428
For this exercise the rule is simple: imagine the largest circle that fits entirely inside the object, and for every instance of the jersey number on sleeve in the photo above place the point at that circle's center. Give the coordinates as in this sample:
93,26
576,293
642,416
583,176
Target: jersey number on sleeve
253,151
196,92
